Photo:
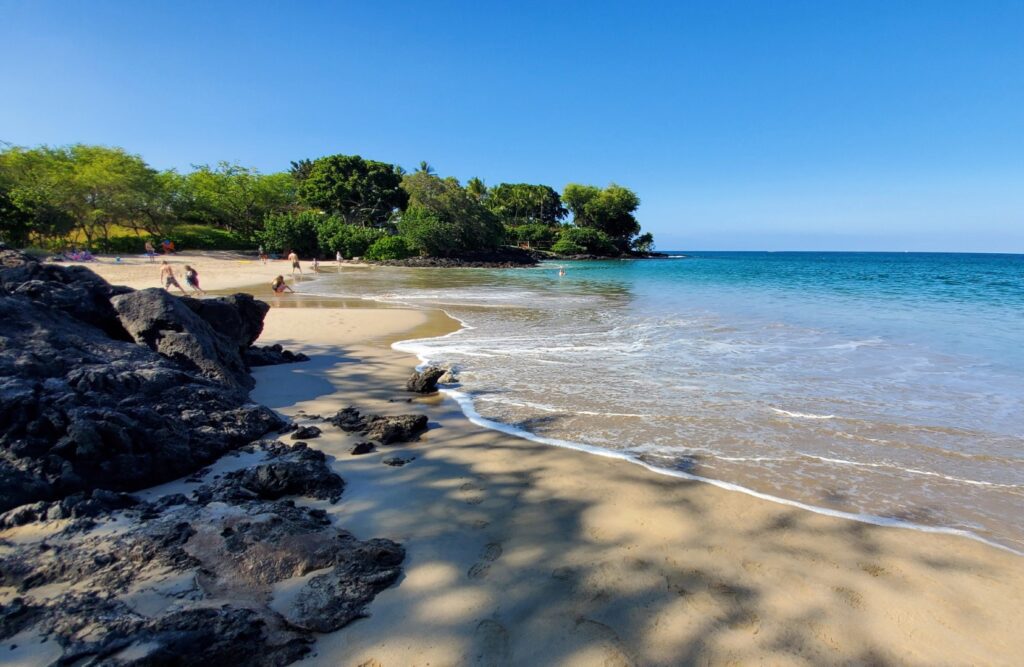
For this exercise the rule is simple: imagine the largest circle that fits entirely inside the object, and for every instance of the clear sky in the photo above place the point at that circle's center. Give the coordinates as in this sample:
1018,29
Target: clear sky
774,125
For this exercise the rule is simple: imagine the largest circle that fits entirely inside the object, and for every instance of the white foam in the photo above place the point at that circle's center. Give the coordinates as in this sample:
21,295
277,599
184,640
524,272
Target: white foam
801,415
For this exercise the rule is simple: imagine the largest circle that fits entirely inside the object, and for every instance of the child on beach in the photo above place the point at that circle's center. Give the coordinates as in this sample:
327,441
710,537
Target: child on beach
279,285
168,279
192,279
294,259
263,255
316,265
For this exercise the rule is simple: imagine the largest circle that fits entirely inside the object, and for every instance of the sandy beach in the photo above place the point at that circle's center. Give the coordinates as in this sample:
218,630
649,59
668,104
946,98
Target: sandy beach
527,554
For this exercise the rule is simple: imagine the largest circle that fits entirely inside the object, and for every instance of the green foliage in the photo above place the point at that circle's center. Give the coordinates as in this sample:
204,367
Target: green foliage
390,247
609,210
578,240
517,204
476,189
185,237
284,232
443,219
15,222
335,235
535,234
644,243
567,247
230,196
363,192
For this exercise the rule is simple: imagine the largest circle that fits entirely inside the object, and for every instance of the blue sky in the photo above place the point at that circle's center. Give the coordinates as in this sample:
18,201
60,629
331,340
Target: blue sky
760,125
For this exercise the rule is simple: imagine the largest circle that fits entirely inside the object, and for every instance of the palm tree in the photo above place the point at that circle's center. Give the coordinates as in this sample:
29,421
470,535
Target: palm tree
476,187
425,168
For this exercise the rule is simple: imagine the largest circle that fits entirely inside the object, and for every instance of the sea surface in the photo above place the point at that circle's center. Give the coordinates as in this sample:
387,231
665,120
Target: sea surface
889,386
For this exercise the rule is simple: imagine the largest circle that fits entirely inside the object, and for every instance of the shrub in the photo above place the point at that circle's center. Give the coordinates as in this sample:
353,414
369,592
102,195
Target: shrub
536,234
428,233
185,237
577,240
291,231
390,247
335,235
566,247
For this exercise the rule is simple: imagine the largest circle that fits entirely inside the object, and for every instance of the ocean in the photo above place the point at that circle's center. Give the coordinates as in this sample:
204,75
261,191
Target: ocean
887,387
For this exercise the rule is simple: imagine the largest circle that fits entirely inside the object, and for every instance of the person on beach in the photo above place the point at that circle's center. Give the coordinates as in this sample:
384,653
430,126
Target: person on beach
168,279
192,279
294,259
316,264
280,286
263,255
150,251
337,257
561,272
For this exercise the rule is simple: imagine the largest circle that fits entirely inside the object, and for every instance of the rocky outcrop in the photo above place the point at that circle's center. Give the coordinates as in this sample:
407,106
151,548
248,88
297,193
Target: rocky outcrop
84,407
272,355
191,580
385,430
501,258
425,381
165,324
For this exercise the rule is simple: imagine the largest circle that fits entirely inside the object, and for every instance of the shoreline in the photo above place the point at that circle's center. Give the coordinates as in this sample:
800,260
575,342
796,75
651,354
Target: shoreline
523,553
228,283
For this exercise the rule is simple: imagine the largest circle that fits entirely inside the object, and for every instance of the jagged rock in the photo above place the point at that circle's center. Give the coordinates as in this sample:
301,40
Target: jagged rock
348,419
330,601
402,428
215,561
165,324
272,355
397,461
76,506
385,430
448,377
238,317
298,470
83,407
306,433
362,448
425,381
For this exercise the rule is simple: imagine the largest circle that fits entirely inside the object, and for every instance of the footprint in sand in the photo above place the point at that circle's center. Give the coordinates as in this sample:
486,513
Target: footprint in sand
490,645
605,640
488,555
471,493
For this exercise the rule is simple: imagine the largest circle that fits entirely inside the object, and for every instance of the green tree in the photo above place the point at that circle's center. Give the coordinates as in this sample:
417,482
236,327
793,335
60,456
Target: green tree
609,210
235,197
283,232
476,188
363,192
579,240
644,243
536,235
335,235
522,203
444,204
390,247
425,168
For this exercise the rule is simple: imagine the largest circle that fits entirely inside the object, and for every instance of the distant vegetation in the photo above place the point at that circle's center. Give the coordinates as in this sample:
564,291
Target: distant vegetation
110,200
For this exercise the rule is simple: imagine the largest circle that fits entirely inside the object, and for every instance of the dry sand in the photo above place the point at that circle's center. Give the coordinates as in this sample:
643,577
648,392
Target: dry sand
526,554
218,270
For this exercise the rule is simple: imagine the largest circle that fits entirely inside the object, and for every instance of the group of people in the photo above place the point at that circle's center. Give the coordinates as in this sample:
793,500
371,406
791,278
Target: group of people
167,246
169,280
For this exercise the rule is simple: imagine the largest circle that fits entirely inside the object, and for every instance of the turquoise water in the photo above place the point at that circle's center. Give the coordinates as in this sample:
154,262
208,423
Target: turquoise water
888,386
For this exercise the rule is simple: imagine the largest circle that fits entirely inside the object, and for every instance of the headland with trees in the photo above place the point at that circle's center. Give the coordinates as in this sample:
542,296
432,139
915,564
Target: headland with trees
109,200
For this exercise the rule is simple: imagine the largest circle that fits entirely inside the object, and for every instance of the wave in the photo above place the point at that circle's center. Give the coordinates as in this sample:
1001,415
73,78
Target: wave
466,404
801,415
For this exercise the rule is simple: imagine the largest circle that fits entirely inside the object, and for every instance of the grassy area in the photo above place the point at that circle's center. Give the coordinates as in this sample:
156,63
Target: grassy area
185,237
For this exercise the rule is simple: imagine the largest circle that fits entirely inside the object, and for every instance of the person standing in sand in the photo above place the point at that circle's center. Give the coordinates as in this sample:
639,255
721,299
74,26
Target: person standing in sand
150,251
279,285
192,279
294,259
337,258
316,264
168,279
263,255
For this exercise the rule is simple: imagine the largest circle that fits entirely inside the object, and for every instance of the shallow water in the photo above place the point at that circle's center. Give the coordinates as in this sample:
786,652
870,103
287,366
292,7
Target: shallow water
889,385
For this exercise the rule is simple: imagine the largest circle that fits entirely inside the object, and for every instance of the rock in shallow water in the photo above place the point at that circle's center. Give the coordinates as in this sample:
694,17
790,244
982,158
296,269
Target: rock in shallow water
425,381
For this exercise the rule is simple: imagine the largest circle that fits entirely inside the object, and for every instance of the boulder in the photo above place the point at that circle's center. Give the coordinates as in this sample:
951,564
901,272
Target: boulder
385,430
272,355
306,433
361,448
165,324
425,381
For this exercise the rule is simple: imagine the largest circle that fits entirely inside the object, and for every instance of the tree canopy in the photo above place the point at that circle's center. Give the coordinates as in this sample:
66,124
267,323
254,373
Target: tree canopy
522,203
609,210
444,219
363,192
